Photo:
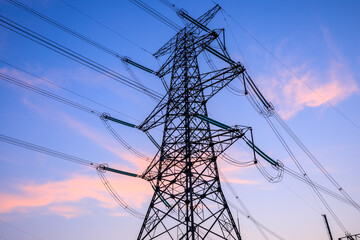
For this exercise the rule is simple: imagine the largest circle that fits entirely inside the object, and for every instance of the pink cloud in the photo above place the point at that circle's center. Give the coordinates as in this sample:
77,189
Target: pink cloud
298,96
59,197
311,90
307,86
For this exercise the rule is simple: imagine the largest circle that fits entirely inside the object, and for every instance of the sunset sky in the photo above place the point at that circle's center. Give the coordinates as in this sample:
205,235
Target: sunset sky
304,57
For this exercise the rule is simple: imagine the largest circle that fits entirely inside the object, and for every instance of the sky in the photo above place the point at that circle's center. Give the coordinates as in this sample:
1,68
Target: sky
304,57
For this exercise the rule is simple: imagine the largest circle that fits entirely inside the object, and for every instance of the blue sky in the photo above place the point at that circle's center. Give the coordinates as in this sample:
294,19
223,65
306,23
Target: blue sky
54,199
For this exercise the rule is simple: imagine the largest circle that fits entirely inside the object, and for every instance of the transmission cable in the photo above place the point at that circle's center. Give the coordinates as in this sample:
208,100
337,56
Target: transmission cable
213,68
67,29
68,90
47,151
76,105
304,149
235,162
45,93
300,177
75,34
267,175
21,30
268,113
291,173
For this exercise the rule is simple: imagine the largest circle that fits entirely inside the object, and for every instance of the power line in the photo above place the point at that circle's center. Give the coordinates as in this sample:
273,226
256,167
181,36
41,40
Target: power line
268,112
68,90
47,151
293,174
29,34
76,105
48,94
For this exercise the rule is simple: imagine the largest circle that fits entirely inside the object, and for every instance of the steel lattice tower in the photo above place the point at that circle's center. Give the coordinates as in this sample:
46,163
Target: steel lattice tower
188,202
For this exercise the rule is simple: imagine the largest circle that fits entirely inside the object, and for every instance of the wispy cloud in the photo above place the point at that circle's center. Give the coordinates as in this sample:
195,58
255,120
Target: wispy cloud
60,197
310,91
310,86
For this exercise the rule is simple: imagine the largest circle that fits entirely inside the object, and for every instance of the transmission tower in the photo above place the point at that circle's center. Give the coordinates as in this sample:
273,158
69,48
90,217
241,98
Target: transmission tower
188,202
